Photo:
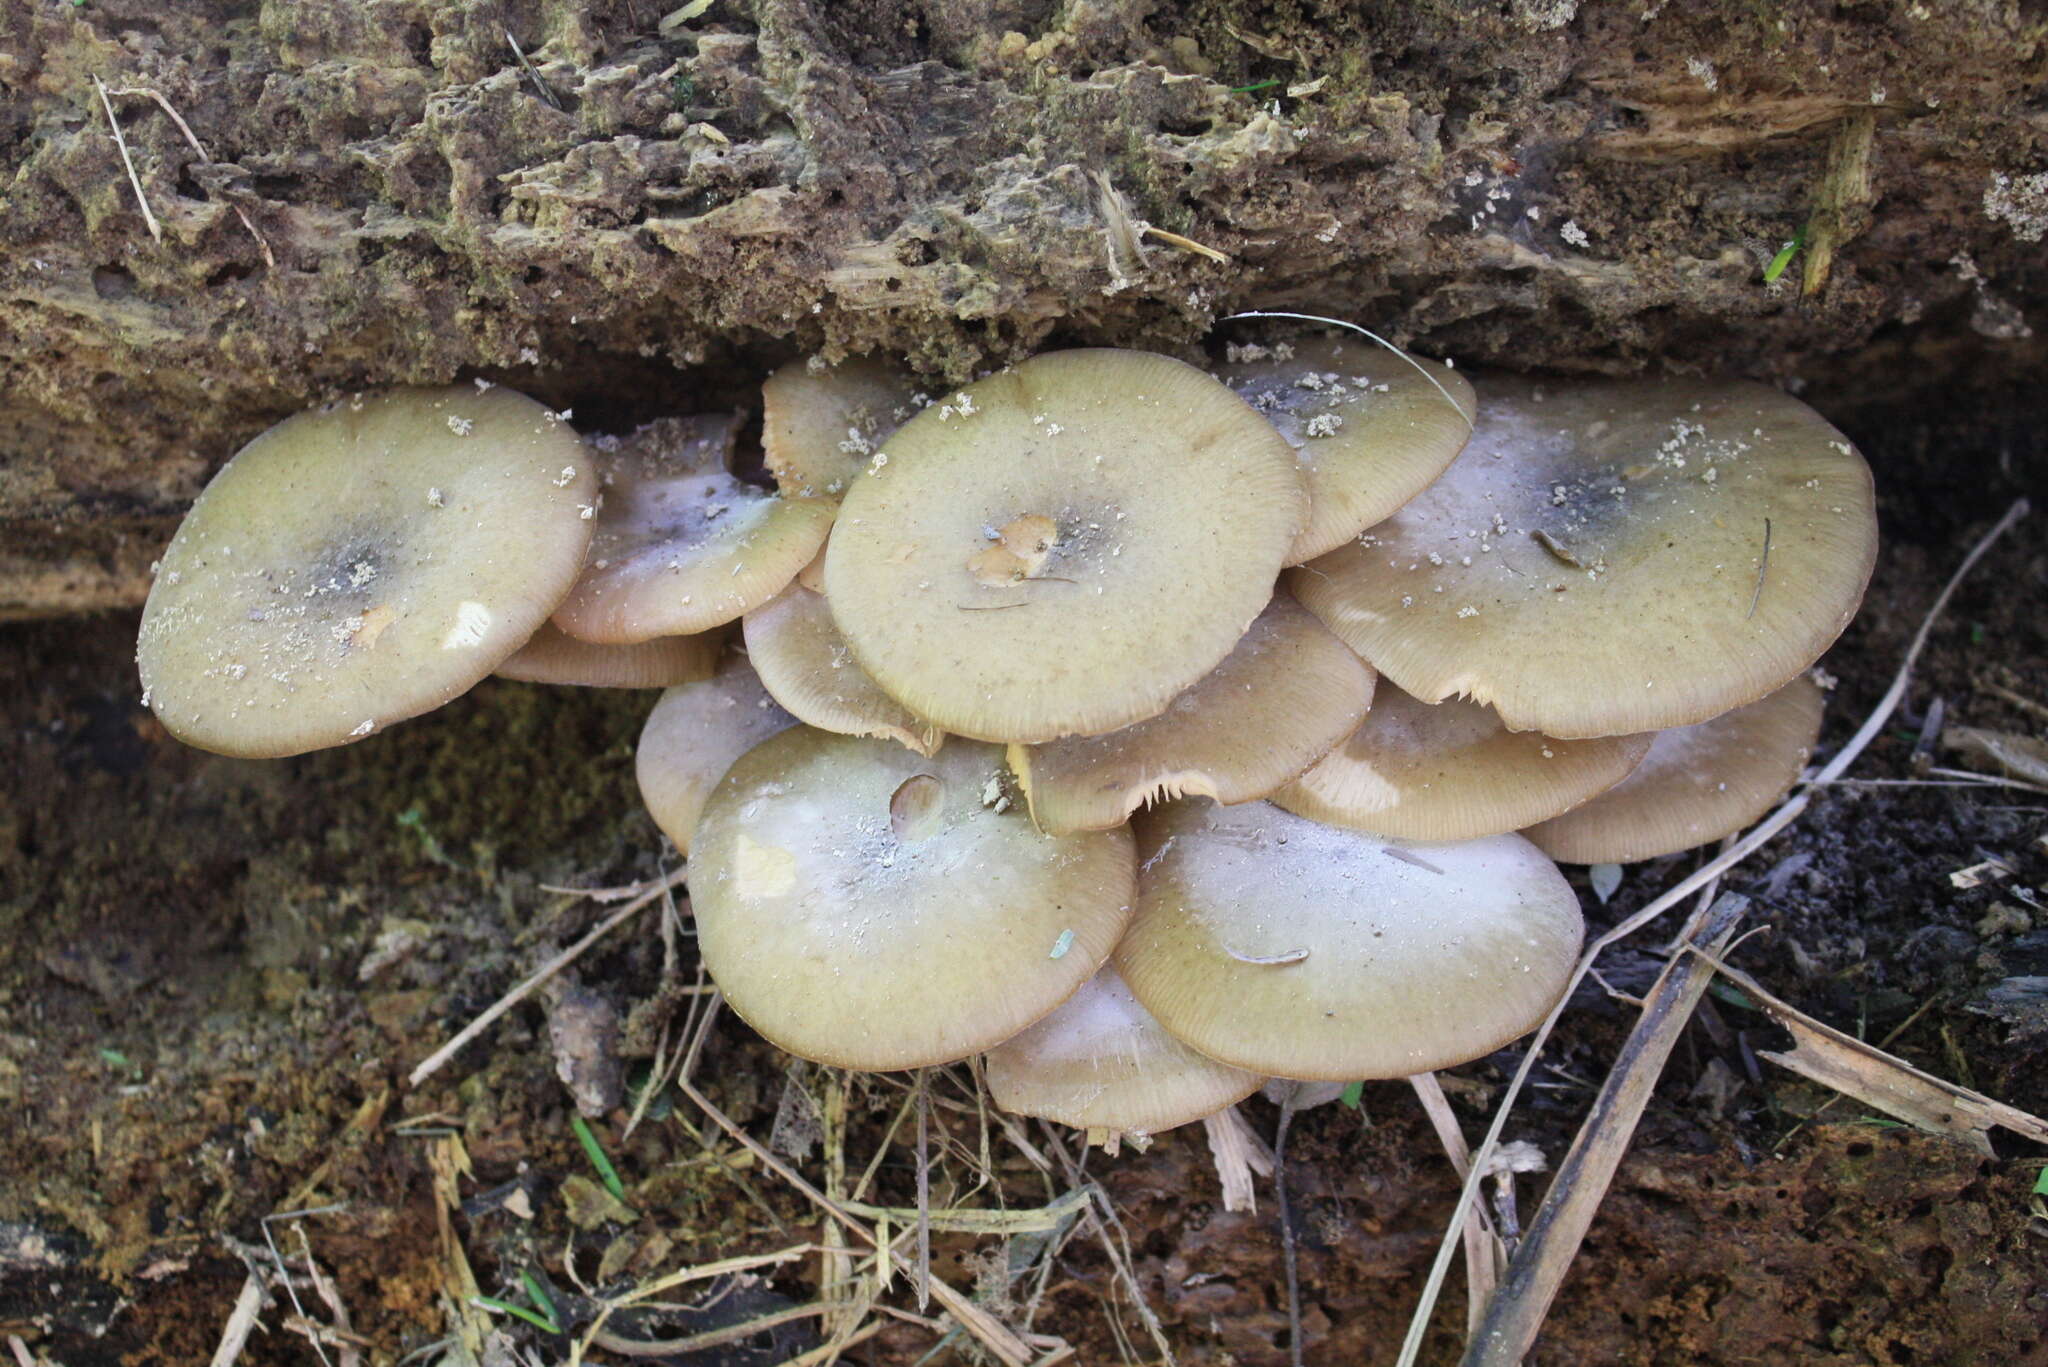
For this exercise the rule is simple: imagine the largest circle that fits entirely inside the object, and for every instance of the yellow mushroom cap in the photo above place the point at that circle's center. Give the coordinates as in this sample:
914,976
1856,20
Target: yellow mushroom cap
805,663
682,546
1062,548
821,424
362,563
1289,948
1697,784
553,656
1284,695
692,737
1102,1062
1451,771
868,907
1371,427
1612,558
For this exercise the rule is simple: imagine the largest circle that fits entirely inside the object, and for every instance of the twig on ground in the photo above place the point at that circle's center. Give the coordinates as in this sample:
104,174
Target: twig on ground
1879,1080
1102,1218
234,1335
284,1278
1290,1255
351,1354
1238,1153
433,1062
1559,1227
1484,1254
1786,814
992,1332
924,1194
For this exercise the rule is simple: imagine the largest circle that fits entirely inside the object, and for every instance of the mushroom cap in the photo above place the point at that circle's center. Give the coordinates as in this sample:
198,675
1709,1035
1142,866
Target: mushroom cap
797,650
1062,548
1278,945
362,563
553,656
1284,695
1370,426
1697,784
692,737
1102,1062
821,424
868,907
682,546
1451,771
1595,562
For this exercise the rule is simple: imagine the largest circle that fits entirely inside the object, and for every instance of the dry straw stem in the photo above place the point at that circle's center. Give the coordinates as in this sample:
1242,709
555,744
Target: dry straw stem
156,229
992,1333
432,1063
269,258
1511,1321
234,1335
1418,1324
599,1336
1485,1254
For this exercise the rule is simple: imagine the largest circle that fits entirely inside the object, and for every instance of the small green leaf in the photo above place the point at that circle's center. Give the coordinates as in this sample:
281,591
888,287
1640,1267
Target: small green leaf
2041,1182
537,1293
114,1058
1353,1095
594,1151
1734,996
540,1322
1256,85
1784,257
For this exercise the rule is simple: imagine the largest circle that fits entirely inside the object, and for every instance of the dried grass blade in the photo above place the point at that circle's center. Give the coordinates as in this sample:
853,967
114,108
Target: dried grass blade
1882,1081
1512,1320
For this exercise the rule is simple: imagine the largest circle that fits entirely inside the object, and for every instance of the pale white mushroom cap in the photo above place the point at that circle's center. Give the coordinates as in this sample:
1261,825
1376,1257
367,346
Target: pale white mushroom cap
1062,548
868,907
692,737
1451,771
822,423
1596,561
806,664
1285,694
1371,427
683,546
1285,947
1697,784
1102,1062
362,563
552,656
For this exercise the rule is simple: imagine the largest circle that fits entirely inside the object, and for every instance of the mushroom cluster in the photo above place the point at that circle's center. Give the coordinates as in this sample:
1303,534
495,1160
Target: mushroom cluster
1153,731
